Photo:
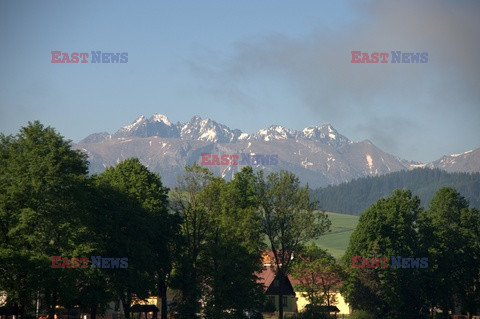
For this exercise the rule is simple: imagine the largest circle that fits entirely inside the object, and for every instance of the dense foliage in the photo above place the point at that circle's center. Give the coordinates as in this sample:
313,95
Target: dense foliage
448,234
319,276
205,238
357,195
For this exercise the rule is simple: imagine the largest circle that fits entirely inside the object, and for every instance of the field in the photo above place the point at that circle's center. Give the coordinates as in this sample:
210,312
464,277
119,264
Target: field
337,240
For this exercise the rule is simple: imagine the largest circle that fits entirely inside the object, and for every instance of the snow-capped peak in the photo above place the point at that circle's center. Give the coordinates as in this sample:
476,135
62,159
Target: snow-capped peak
274,132
460,154
243,136
325,133
160,118
309,132
135,123
331,132
156,125
205,129
208,130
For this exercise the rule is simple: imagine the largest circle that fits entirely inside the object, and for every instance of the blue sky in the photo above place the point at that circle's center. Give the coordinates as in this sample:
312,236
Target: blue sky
249,64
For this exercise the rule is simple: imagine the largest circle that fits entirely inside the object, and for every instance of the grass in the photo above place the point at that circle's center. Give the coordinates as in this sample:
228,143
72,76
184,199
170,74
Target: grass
336,241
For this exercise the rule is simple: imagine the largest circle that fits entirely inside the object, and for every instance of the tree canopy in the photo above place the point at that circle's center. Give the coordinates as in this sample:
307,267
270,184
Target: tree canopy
446,235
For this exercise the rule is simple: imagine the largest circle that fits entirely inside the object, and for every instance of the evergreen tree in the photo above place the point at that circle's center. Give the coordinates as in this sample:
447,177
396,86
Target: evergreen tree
357,195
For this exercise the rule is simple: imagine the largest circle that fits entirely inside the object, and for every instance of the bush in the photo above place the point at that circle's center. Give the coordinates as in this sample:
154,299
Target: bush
361,314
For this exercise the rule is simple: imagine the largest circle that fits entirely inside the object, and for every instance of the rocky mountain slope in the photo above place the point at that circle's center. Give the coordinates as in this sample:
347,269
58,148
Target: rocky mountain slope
319,155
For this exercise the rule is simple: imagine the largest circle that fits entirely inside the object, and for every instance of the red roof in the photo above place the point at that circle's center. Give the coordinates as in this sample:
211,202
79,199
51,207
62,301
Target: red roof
266,277
268,274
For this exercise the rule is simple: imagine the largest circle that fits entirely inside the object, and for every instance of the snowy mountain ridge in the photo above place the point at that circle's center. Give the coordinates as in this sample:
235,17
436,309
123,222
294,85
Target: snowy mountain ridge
318,155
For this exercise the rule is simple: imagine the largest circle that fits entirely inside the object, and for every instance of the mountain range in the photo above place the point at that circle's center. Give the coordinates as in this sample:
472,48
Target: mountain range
319,155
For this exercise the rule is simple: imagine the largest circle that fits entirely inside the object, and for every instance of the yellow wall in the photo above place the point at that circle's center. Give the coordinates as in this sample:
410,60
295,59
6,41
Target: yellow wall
150,301
341,304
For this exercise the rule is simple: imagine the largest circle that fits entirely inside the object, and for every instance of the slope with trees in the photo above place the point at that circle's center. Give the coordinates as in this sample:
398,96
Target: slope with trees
357,195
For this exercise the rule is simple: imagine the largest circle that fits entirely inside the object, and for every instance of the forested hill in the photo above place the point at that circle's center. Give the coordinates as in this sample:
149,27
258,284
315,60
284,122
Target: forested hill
357,195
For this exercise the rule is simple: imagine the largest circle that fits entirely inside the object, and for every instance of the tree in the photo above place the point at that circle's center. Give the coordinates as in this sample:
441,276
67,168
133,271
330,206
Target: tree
142,230
233,247
450,232
195,224
135,181
388,228
319,275
288,219
357,195
223,241
42,184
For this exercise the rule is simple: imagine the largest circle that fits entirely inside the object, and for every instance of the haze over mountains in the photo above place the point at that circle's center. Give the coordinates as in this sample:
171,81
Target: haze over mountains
319,155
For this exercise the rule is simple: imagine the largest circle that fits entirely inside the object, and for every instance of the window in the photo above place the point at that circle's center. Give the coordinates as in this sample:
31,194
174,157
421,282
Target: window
275,283
285,301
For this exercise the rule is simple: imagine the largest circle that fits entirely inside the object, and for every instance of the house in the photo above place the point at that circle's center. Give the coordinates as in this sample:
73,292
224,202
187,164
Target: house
293,301
272,284
342,306
148,311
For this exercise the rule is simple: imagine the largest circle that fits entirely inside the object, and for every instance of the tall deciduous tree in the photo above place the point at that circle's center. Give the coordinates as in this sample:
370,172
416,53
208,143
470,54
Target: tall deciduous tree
288,219
223,242
234,244
137,183
451,234
41,185
196,223
134,205
388,228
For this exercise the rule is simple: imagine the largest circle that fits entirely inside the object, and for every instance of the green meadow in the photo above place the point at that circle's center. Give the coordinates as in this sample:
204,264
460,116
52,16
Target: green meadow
336,241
